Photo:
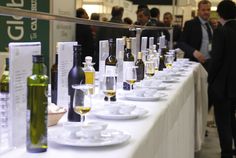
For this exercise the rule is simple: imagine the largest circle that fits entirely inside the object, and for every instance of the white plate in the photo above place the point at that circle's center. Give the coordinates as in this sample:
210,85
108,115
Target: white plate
108,137
171,80
159,87
176,74
104,114
155,97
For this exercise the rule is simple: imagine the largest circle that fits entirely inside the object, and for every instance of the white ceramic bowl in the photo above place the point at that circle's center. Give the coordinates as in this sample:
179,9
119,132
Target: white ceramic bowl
126,109
72,126
91,131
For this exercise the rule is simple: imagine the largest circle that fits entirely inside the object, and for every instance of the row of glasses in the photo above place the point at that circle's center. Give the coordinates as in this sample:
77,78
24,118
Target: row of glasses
151,65
83,93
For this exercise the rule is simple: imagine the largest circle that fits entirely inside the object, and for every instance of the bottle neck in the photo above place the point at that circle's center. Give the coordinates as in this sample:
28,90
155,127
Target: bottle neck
56,60
7,67
112,49
39,69
140,55
76,59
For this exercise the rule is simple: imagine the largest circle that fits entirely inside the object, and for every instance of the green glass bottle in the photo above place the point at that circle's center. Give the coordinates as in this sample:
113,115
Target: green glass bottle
37,86
4,82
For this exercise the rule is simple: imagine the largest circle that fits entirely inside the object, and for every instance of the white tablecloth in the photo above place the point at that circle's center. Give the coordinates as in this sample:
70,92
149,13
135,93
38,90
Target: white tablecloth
169,129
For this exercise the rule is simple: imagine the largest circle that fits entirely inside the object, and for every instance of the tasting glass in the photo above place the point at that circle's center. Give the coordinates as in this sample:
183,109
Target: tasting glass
149,69
82,101
131,75
109,86
169,59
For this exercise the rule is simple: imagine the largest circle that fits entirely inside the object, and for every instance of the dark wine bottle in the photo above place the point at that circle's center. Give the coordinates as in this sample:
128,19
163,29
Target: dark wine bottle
54,79
128,62
76,76
140,67
111,64
37,88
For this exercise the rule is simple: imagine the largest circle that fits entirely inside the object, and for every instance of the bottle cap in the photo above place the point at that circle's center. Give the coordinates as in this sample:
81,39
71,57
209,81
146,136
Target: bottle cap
38,59
154,47
88,59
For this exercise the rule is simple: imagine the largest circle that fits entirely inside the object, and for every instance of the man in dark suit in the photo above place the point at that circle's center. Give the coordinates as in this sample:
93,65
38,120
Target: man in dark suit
196,37
167,19
144,19
222,77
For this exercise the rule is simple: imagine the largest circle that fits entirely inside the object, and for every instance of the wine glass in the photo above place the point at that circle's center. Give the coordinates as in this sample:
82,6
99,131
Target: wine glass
149,68
131,75
109,86
169,59
82,101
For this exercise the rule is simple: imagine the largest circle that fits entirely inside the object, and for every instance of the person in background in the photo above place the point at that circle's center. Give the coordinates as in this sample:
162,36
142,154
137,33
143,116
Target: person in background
196,39
94,16
104,19
106,33
155,17
214,23
167,20
116,17
222,77
84,35
127,20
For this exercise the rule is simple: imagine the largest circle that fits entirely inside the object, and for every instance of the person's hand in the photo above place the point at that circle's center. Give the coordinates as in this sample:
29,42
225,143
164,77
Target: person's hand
199,56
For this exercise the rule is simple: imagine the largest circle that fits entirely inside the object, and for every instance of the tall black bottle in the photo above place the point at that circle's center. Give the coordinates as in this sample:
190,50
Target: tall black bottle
111,63
76,76
140,67
54,79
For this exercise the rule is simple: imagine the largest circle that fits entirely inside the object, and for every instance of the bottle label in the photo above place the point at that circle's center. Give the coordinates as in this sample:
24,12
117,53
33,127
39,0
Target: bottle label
4,109
111,70
4,122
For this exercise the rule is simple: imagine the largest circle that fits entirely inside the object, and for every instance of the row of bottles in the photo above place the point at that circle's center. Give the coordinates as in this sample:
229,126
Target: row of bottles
37,87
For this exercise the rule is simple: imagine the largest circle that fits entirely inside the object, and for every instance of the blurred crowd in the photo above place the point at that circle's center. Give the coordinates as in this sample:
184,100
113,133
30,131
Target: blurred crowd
89,36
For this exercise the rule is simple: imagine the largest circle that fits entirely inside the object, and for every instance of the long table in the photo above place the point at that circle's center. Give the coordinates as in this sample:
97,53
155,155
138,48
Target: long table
173,127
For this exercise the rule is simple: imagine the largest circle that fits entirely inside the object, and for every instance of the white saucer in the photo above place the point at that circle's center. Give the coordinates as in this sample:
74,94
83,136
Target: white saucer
171,80
108,137
155,97
104,114
159,87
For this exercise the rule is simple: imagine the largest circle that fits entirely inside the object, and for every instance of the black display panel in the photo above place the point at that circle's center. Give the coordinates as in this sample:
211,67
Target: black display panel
157,2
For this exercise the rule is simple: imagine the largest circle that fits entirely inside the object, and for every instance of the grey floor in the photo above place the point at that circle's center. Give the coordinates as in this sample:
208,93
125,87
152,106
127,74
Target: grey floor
210,147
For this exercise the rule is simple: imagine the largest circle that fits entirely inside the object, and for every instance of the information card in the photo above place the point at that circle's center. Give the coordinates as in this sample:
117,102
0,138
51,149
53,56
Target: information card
20,68
65,63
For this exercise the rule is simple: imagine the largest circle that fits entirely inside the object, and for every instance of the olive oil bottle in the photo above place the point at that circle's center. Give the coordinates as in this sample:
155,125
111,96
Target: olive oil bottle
37,88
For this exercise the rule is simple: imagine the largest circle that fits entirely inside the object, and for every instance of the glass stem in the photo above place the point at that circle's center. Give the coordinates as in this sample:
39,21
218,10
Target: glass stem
109,100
